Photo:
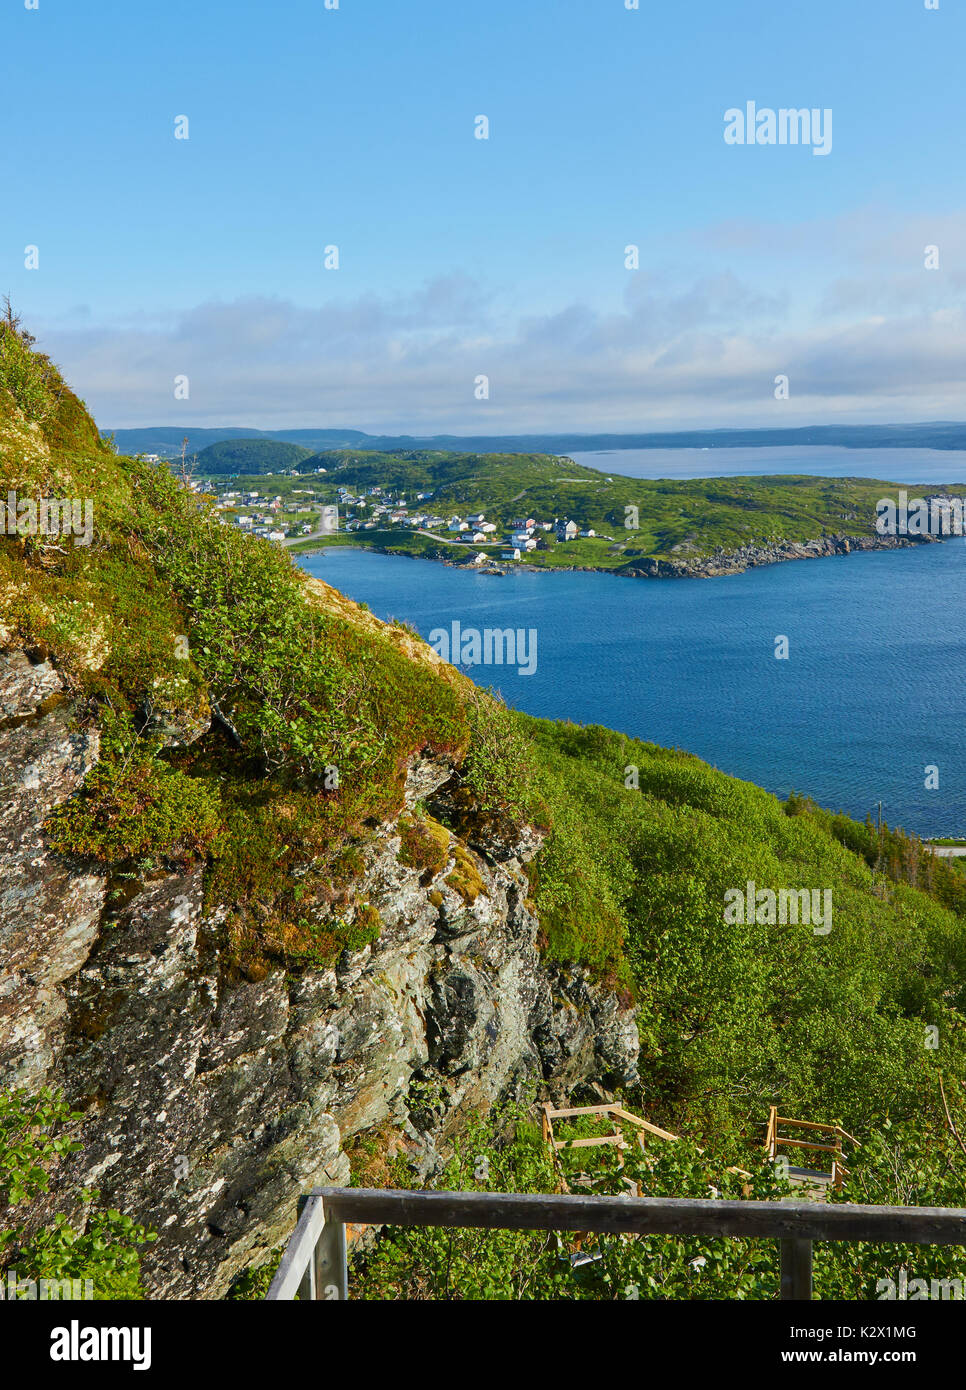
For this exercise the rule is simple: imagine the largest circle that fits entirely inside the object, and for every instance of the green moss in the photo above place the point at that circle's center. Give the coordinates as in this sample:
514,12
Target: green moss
465,878
133,804
425,844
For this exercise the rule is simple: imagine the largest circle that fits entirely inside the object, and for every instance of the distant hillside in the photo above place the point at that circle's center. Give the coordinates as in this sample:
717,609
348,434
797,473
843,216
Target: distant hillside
250,456
166,440
460,477
942,434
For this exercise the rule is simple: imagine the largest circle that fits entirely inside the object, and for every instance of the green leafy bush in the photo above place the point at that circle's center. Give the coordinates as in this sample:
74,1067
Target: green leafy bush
29,376
133,804
103,1247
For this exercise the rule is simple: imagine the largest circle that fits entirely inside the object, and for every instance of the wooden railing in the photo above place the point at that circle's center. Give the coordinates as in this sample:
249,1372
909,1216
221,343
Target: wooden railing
619,1116
773,1140
611,1111
314,1263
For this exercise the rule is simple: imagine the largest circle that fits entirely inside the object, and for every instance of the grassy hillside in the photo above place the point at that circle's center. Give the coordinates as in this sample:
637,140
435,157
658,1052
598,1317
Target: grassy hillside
168,616
670,519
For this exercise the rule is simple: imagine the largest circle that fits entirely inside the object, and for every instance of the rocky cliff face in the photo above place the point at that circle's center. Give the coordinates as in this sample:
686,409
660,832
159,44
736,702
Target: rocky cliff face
211,1102
748,557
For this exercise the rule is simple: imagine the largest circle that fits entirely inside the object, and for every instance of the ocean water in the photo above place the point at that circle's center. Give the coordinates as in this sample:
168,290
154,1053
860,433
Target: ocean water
873,691
894,465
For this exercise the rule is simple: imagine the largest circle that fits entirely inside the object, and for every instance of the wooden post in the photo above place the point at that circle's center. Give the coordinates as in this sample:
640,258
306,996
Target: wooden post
330,1273
796,1269
306,1291
837,1160
771,1138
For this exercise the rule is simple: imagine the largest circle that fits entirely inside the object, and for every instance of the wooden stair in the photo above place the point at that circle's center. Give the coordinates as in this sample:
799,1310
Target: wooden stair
815,1180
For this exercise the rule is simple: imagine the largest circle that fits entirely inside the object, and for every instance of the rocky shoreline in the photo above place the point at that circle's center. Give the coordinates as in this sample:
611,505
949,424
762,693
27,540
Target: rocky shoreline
719,562
748,557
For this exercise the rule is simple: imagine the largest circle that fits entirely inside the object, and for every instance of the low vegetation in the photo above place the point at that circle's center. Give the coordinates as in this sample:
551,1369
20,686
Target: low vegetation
261,726
668,519
98,1245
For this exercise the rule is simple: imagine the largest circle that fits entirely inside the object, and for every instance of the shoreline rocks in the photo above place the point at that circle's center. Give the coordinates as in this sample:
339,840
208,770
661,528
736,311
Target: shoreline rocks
720,562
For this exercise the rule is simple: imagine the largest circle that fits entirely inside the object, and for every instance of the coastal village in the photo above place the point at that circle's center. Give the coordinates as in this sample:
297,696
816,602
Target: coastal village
297,514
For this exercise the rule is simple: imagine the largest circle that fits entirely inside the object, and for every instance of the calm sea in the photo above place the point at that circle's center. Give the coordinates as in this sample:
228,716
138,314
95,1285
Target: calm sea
873,691
894,465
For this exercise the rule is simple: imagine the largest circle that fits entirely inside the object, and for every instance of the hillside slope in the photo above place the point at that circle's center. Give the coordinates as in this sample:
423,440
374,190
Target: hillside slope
250,456
655,528
277,882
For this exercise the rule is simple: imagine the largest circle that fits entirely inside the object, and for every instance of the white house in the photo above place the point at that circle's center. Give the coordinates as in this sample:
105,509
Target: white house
567,530
588,532
510,554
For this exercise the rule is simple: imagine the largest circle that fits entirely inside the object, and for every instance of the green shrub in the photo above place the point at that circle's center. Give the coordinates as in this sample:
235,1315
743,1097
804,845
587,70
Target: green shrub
30,377
133,804
102,1248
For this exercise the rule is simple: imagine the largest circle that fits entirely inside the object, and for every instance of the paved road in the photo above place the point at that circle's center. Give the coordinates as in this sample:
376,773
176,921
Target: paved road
433,536
300,540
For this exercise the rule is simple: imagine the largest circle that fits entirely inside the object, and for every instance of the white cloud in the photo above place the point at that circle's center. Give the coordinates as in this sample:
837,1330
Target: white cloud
677,353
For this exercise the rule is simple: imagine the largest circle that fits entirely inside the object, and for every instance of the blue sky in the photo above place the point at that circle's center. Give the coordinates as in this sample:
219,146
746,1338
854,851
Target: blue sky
459,257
